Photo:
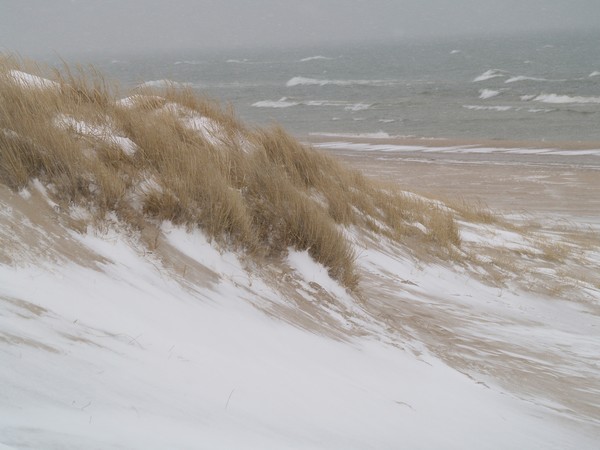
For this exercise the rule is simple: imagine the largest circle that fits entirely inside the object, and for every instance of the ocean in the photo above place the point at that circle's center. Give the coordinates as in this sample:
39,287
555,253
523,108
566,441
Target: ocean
538,87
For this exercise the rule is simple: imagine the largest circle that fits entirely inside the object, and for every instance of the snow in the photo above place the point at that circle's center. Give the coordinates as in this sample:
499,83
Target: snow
313,272
107,367
102,132
188,344
29,81
211,130
131,101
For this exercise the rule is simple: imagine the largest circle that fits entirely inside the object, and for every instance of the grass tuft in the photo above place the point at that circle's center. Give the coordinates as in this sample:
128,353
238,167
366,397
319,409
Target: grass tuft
172,155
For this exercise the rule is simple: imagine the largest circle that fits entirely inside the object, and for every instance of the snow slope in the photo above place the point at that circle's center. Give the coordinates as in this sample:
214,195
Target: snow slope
113,339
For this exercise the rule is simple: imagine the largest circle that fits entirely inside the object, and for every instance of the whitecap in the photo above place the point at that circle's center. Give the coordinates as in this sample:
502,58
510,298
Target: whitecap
455,52
555,98
526,98
540,110
386,120
377,135
358,107
487,108
524,78
323,103
595,73
165,83
283,102
488,93
303,81
314,58
489,74
191,63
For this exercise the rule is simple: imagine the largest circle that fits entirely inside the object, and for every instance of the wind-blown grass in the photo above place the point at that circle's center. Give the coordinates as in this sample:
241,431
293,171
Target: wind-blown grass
172,155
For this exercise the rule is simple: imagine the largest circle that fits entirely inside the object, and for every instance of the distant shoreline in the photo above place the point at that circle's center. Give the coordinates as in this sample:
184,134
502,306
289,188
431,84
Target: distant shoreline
314,138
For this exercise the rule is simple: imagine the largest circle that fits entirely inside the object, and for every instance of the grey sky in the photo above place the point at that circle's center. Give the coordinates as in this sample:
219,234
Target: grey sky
34,27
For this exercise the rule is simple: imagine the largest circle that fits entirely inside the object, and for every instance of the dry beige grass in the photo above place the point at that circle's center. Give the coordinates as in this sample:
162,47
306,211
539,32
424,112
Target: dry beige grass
195,163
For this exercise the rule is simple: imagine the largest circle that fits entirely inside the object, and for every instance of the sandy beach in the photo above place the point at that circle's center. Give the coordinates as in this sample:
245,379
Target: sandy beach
510,180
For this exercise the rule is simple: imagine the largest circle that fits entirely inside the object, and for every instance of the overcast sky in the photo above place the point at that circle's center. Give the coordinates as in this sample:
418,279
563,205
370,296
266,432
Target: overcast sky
34,27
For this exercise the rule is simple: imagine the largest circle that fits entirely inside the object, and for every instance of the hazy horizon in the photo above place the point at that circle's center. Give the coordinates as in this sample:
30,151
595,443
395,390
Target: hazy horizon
36,27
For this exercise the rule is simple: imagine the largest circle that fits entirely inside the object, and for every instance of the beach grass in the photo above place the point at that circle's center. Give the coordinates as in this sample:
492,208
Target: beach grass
170,154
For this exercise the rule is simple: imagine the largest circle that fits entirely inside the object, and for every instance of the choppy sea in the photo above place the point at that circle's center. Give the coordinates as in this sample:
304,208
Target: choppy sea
539,87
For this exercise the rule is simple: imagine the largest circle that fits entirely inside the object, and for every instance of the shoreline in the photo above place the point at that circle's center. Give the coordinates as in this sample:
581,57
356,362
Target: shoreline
553,185
411,141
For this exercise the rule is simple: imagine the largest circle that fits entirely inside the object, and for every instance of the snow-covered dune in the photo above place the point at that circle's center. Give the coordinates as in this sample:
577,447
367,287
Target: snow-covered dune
131,318
159,339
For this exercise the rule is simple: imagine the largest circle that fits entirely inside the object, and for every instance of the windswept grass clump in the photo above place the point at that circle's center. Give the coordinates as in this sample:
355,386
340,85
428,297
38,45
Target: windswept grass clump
171,155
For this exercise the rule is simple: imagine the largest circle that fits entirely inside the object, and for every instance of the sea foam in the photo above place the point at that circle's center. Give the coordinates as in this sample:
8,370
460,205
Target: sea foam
358,107
524,78
488,93
165,83
555,98
487,108
303,81
283,102
489,74
313,58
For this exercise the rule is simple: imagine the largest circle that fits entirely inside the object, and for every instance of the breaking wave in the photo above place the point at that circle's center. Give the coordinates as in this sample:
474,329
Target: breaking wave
190,63
555,98
358,107
314,58
487,108
303,81
524,78
489,74
377,135
283,102
488,93
165,83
